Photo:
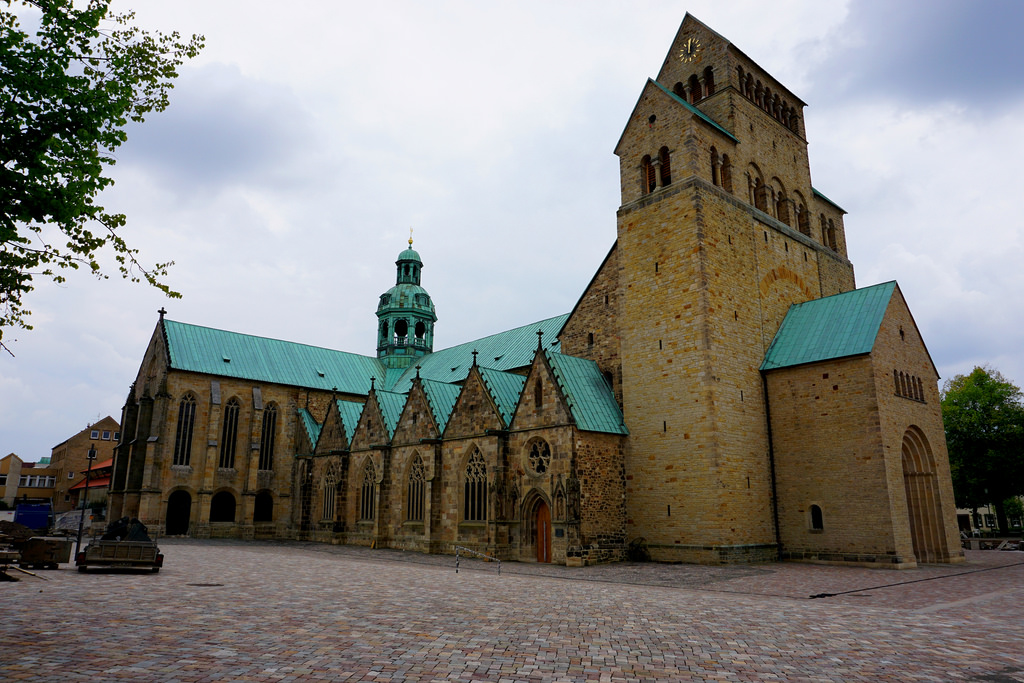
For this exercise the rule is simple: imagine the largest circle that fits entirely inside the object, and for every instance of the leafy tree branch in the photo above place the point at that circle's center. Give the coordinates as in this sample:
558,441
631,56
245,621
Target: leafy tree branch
67,91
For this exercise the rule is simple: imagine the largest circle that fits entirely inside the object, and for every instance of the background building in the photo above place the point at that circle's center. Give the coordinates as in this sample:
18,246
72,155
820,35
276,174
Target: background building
70,459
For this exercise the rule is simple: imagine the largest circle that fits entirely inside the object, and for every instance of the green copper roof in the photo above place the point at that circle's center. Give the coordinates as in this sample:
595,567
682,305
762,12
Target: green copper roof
503,351
311,425
505,389
590,398
349,412
441,397
824,198
391,405
410,254
230,354
834,327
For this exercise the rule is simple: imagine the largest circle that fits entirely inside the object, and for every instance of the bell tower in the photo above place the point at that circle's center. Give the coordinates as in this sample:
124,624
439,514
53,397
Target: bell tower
405,315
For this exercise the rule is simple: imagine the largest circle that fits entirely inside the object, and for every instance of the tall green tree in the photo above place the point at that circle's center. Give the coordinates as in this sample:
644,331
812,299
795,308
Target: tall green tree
68,88
984,417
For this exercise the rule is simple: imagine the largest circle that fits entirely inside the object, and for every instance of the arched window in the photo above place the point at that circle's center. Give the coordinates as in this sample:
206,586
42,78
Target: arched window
183,433
896,381
760,195
715,175
647,176
420,329
538,395
803,219
824,229
709,82
267,437
817,521
695,90
401,331
832,236
920,389
417,489
782,207
679,90
229,435
368,492
222,507
475,494
539,457
726,173
666,167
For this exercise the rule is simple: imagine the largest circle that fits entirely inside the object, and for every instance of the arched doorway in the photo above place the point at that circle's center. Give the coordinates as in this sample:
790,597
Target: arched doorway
179,512
222,507
542,525
537,529
920,483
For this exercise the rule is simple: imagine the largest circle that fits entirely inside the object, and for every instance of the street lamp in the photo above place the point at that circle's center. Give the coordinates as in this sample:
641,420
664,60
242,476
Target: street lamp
91,455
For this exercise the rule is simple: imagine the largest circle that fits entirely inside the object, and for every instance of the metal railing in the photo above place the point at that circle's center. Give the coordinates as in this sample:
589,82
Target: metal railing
459,549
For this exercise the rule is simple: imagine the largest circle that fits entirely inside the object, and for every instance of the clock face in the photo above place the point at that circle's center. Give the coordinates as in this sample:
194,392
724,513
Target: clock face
690,50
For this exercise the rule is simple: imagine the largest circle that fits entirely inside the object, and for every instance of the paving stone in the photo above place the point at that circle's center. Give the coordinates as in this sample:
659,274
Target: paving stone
238,611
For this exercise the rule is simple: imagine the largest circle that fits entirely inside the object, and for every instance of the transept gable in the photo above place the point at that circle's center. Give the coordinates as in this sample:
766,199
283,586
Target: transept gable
474,411
333,437
416,421
541,403
371,430
899,332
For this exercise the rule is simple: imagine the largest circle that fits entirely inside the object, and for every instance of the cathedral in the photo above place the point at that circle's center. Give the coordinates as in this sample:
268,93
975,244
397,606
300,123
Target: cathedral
721,392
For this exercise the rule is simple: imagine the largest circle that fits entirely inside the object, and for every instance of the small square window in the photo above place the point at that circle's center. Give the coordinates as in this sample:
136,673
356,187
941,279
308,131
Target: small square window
94,434
106,435
67,497
71,475
117,436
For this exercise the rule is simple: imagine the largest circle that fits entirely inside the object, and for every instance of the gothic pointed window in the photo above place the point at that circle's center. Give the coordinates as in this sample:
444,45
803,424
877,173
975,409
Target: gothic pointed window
183,433
475,489
330,497
368,492
229,435
417,491
268,436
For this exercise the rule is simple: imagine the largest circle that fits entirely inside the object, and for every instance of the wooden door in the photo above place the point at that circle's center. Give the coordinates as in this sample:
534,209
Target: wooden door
542,520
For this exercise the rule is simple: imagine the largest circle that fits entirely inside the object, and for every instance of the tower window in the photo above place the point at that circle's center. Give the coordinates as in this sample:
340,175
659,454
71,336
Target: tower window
401,329
648,178
666,167
420,329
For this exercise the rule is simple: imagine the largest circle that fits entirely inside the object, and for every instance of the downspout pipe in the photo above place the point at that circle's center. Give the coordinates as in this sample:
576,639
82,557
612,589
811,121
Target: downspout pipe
771,463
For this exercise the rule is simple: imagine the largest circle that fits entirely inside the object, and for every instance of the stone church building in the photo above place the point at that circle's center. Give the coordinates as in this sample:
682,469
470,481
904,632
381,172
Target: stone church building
721,392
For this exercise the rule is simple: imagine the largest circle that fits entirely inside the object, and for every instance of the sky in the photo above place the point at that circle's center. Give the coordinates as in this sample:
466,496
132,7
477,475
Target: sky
308,138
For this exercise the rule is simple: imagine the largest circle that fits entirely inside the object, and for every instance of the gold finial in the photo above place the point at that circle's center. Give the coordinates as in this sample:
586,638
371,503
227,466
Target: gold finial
410,238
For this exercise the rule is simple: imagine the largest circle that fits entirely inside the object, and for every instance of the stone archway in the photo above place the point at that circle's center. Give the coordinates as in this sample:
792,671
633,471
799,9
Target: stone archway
179,513
923,506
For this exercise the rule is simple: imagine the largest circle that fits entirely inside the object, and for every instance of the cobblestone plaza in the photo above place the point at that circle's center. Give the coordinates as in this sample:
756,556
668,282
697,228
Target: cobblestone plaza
254,611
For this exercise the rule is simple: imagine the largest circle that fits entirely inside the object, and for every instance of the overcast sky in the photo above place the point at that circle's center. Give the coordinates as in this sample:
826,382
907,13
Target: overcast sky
308,137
